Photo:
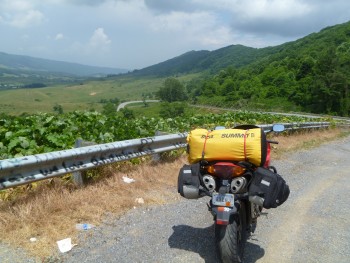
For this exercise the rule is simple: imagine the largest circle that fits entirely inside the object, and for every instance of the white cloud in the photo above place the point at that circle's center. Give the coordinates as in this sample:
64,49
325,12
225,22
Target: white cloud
200,29
246,8
271,9
138,33
16,5
217,38
22,20
99,40
25,37
274,17
20,13
97,50
59,36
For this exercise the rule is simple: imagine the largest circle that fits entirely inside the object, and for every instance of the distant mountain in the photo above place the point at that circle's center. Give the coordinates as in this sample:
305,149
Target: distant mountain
20,64
211,61
308,74
238,56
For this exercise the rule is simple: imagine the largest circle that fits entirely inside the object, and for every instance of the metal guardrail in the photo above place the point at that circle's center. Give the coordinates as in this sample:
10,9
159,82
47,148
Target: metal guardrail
298,126
28,169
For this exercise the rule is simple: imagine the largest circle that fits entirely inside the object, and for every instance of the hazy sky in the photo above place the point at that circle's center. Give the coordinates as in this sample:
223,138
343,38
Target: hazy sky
133,34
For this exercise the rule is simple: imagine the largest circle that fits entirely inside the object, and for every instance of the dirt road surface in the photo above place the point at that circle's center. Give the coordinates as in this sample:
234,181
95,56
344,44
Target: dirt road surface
312,226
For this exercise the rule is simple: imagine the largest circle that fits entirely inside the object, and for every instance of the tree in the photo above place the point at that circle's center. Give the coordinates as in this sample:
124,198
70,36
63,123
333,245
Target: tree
343,54
170,110
305,68
58,108
172,91
109,109
128,114
144,97
328,85
114,101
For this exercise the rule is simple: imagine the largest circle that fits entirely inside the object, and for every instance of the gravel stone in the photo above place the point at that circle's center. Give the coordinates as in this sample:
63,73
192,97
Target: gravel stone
312,226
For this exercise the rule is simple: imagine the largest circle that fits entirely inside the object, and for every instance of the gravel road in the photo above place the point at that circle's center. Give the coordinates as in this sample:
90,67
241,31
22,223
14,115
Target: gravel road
122,105
312,226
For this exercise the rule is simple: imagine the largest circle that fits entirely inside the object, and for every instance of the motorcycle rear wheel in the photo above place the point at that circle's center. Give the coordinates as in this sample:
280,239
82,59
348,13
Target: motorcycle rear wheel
230,240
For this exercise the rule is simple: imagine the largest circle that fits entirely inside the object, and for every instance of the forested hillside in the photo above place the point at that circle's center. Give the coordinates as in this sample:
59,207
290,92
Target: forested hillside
206,61
310,74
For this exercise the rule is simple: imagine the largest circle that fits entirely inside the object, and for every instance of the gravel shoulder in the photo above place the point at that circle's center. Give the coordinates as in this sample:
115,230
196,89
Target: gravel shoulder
312,226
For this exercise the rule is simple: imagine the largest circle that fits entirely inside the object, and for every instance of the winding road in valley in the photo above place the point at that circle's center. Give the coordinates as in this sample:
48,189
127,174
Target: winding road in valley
122,105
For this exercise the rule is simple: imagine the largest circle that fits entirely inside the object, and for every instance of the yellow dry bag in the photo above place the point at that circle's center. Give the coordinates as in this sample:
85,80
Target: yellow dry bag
228,145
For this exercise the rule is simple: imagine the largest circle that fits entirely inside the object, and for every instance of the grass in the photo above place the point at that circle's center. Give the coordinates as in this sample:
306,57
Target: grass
50,211
154,109
83,96
151,110
80,96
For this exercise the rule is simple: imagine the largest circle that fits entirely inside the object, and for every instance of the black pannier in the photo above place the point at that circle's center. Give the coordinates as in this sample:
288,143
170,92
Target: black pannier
188,183
270,186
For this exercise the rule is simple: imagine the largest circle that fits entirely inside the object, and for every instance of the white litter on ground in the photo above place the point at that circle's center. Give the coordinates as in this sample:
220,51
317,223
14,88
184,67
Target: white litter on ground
65,245
128,180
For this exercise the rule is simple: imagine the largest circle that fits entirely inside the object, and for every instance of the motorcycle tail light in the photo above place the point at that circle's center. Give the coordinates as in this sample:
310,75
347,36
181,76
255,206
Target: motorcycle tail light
226,170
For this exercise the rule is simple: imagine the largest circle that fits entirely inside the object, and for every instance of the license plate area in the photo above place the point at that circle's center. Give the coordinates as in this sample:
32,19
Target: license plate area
223,199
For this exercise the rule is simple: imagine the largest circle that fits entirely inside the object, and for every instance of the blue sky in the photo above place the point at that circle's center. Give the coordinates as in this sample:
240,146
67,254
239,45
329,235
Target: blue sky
133,34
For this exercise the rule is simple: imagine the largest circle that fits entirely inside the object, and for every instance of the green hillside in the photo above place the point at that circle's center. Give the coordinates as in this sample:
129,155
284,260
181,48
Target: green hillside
205,61
310,74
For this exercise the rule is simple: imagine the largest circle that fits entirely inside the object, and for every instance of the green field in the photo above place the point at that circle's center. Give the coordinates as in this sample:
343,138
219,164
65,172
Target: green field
81,96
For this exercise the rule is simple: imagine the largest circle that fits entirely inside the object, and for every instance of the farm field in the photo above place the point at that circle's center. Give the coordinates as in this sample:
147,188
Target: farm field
46,132
85,95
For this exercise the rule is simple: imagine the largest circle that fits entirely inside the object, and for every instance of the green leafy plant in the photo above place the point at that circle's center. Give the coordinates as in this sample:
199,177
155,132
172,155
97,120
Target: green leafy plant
45,132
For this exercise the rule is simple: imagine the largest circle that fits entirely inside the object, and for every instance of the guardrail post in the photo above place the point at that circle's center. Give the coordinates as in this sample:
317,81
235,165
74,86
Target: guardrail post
78,177
156,156
23,170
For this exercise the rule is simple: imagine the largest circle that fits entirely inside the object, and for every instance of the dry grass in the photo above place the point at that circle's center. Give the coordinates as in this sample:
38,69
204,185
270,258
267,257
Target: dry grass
50,212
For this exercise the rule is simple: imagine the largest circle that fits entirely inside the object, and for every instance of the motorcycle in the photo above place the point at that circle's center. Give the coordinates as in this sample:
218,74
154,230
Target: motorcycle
238,191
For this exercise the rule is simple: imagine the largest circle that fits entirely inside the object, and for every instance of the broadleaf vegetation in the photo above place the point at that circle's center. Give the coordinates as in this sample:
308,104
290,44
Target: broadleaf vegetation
47,132
311,74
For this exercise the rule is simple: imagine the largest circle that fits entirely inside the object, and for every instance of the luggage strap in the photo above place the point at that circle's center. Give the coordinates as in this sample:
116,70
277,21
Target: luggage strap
245,146
205,143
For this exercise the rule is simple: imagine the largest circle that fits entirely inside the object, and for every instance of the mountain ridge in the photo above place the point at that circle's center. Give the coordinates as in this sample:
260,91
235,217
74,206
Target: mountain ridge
205,61
236,56
32,64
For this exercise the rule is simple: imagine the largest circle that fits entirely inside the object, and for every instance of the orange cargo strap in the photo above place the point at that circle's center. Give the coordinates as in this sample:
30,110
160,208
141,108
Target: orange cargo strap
205,143
245,146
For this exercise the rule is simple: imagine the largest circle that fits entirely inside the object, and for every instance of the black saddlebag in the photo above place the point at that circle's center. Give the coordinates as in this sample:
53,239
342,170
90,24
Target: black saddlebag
188,183
270,186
